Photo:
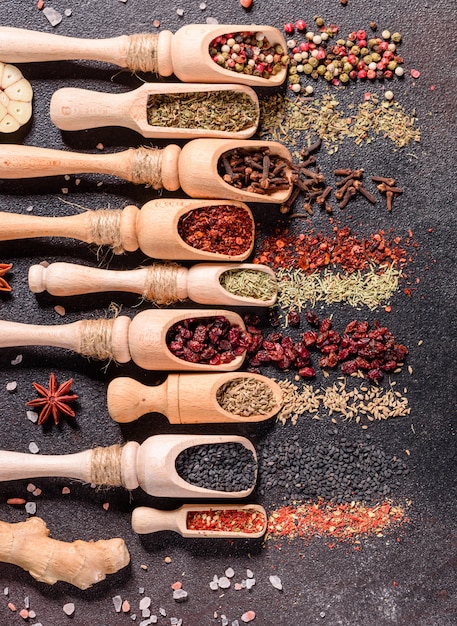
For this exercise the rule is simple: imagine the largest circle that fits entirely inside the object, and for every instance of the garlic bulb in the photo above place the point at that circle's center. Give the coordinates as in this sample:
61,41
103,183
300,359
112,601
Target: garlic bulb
15,99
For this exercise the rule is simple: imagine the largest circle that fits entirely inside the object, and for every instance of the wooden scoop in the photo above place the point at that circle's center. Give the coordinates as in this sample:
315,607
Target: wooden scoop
183,398
121,339
151,466
194,168
79,109
153,229
186,53
161,283
147,520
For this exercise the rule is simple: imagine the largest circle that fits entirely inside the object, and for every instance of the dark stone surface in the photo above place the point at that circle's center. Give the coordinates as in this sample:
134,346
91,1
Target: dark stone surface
406,577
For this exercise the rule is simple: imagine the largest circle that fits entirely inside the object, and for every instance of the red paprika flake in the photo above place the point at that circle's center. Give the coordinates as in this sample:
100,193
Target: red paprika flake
223,229
343,522
315,251
226,520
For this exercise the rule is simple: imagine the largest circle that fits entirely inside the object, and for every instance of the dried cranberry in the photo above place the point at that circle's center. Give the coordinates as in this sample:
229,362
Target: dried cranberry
273,318
374,375
389,366
362,364
349,367
307,372
325,325
312,318
293,319
309,338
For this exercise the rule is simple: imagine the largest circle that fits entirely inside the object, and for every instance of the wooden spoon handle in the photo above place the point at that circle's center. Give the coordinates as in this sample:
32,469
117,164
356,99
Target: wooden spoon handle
19,226
19,45
18,465
70,279
147,520
79,109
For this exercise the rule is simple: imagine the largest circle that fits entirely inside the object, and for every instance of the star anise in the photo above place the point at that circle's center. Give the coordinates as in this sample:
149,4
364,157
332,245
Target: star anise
4,267
54,400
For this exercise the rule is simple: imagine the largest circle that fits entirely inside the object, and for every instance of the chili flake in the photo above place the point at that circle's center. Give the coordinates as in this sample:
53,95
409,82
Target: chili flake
343,522
226,520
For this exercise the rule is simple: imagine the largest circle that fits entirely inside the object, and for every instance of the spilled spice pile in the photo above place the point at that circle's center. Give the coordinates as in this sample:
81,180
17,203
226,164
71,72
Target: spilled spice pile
343,522
280,116
246,396
339,470
316,250
226,520
297,289
360,404
225,110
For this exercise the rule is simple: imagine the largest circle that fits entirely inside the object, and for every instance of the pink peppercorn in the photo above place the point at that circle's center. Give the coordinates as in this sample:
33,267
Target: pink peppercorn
352,59
388,74
289,28
300,24
361,34
384,45
362,43
362,74
321,54
371,74
304,46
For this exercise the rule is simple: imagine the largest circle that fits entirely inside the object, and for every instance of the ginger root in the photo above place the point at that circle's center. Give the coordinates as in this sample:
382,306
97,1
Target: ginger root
80,563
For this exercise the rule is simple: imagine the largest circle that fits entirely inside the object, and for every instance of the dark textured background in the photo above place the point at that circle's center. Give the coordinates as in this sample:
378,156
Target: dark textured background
390,581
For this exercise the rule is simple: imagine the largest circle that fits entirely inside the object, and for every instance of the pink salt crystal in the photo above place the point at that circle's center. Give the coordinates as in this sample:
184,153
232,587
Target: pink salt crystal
176,585
415,73
156,23
248,616
125,606
106,505
60,310
65,490
11,606
24,613
37,492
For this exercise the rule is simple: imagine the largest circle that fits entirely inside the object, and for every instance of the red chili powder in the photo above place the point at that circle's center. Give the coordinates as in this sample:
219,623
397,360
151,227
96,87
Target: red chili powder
313,251
343,522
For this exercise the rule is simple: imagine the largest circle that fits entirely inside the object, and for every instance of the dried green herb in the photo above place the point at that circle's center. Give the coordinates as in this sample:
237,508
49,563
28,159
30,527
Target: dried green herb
297,290
224,110
284,119
248,283
246,396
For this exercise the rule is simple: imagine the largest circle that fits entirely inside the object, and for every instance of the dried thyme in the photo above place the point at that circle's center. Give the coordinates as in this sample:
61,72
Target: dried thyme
297,290
224,110
248,283
246,397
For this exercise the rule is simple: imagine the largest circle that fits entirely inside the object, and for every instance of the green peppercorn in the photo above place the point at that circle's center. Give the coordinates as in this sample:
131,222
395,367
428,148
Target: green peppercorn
348,67
375,57
396,37
391,65
373,42
328,75
344,78
279,49
239,67
319,21
294,79
247,70
349,44
307,68
276,69
341,42
313,62
355,50
285,59
292,69
220,59
321,70
364,51
368,59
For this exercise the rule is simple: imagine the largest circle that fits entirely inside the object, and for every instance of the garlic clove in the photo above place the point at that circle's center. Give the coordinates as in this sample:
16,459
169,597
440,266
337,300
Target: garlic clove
20,90
11,74
15,99
20,111
8,124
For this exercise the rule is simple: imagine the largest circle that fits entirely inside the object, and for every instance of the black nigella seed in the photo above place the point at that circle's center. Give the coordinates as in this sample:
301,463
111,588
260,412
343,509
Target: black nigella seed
222,466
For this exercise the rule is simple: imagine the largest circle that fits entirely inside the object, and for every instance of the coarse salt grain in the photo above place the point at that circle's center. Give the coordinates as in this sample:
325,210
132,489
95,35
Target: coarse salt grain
53,16
248,616
69,608
33,447
117,602
30,507
276,582
180,12
11,386
60,310
17,360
